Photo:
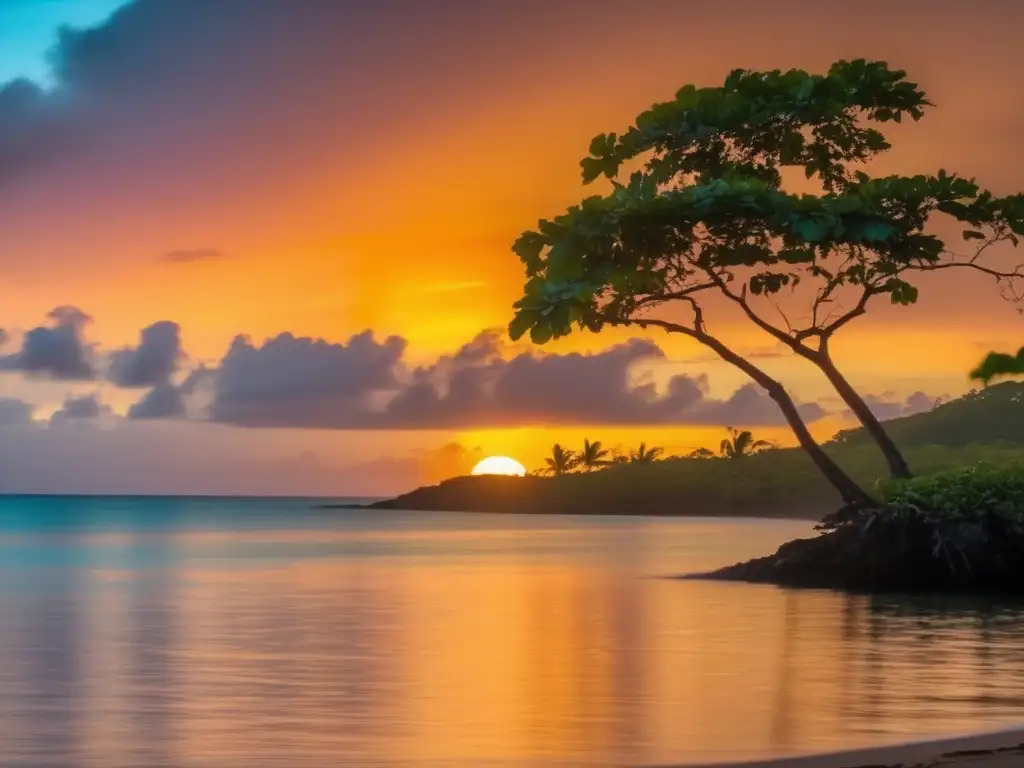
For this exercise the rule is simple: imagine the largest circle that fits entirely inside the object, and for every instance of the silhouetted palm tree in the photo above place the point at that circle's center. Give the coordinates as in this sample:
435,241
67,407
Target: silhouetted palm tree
646,455
618,457
740,444
593,455
561,462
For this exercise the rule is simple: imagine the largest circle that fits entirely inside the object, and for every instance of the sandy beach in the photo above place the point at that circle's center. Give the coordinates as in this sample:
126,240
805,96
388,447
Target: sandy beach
1002,749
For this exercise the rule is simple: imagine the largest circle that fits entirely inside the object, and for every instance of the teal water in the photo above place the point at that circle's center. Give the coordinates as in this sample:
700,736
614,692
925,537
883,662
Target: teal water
230,632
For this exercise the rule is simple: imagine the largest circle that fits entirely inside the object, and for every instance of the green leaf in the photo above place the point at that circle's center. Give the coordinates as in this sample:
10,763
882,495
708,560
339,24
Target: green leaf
521,323
813,230
901,292
997,364
541,333
528,247
592,168
971,234
878,231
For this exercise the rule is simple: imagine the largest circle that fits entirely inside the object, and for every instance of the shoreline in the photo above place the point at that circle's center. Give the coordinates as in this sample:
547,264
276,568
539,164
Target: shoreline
988,749
803,517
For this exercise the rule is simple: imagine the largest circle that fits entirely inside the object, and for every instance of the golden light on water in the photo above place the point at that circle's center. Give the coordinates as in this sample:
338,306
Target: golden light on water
499,465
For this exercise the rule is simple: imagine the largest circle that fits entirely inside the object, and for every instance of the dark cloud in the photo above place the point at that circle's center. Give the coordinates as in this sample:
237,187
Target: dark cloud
477,387
28,119
14,412
888,406
749,406
57,351
126,86
296,382
164,401
303,382
83,407
188,255
168,400
152,362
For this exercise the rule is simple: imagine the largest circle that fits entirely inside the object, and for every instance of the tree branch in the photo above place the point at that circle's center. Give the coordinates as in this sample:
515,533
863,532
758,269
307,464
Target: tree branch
859,309
741,300
1009,280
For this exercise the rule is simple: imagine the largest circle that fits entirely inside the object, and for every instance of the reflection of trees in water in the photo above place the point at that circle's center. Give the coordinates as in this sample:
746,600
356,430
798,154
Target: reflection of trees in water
783,716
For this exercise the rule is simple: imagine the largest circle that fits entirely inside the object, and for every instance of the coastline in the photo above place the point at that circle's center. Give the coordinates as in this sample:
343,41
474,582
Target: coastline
990,749
748,514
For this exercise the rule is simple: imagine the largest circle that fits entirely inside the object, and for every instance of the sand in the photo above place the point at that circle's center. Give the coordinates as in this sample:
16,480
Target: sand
1003,749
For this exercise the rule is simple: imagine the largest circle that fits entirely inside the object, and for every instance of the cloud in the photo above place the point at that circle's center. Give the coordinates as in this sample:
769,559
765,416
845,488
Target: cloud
478,387
152,362
889,406
748,406
188,255
28,122
80,408
308,383
302,382
57,351
164,401
167,400
15,412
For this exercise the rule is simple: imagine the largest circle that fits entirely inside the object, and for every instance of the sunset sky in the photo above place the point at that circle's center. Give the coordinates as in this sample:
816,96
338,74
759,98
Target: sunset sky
256,246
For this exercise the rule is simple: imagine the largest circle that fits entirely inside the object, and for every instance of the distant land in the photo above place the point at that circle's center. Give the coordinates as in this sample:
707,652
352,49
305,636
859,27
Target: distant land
982,426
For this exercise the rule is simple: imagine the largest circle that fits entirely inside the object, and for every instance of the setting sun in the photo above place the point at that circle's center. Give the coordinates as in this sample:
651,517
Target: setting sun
499,465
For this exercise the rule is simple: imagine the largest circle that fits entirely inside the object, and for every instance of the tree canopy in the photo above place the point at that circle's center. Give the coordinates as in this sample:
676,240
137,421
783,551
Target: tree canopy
707,212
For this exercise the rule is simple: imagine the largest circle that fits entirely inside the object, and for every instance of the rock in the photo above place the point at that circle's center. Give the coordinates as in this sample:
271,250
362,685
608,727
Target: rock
878,551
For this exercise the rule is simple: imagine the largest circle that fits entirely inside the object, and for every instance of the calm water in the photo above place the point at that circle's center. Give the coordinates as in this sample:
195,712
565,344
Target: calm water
226,633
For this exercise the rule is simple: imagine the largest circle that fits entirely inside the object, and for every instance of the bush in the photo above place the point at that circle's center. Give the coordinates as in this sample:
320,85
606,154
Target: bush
968,493
960,530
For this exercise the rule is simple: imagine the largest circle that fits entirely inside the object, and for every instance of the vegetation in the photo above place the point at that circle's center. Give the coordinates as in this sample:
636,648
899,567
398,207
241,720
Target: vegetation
707,215
593,456
997,365
779,483
956,530
740,444
991,415
645,455
561,461
970,492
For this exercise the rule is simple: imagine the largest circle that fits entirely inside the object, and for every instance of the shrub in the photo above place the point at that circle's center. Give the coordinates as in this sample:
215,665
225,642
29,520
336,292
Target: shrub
968,493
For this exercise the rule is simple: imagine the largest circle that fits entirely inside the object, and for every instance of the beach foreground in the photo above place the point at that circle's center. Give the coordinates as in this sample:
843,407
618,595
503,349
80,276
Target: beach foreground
1002,749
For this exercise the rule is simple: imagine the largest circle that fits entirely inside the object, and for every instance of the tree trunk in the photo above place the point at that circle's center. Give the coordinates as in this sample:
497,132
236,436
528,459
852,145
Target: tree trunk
897,464
851,493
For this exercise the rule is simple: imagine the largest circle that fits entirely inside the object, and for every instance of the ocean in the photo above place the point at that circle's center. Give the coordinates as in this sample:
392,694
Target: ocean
230,632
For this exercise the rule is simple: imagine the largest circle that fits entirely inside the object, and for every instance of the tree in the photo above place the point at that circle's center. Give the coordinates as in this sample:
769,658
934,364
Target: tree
618,457
701,453
707,215
593,455
645,455
739,444
997,365
561,461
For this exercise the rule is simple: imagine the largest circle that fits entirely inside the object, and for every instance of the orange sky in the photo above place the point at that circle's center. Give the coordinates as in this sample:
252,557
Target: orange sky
371,170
